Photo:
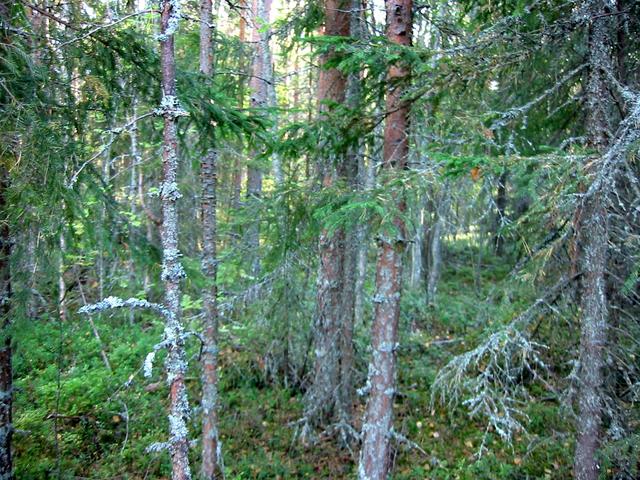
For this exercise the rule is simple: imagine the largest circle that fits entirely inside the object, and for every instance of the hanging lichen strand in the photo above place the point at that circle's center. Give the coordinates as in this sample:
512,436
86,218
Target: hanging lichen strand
172,271
378,425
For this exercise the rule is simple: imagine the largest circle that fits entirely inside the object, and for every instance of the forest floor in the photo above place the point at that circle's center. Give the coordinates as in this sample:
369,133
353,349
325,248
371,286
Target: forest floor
76,418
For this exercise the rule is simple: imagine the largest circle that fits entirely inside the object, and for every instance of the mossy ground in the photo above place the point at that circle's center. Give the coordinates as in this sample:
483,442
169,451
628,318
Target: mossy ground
87,405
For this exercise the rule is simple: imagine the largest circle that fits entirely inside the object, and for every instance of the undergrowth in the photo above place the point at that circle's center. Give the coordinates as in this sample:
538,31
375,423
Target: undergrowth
75,419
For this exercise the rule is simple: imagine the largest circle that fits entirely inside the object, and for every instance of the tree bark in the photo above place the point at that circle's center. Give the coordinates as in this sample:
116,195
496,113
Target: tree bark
501,205
593,240
377,429
321,398
593,326
259,86
435,244
172,271
211,445
417,249
351,170
237,173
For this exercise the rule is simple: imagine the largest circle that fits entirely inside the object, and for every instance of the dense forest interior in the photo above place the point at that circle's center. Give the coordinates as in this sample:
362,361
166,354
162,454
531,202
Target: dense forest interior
323,239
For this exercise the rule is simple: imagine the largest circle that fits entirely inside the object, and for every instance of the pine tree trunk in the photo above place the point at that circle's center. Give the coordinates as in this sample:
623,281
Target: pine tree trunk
593,241
6,371
211,445
320,400
377,429
172,271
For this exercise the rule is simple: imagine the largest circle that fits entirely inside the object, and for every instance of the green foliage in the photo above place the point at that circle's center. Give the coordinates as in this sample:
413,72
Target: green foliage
491,97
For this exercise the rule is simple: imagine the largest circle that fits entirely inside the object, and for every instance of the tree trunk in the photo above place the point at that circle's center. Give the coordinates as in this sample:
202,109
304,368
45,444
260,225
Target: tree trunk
367,179
172,271
417,248
351,171
62,287
133,194
377,429
593,241
435,245
211,445
594,308
6,371
501,205
320,400
435,256
237,172
259,86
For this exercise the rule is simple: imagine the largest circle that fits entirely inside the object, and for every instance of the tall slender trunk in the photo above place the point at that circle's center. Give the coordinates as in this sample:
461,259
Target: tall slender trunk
435,244
211,445
435,255
350,170
501,206
133,193
367,174
62,287
6,370
104,221
172,271
259,84
593,245
320,401
417,248
235,192
272,99
377,428
146,282
135,159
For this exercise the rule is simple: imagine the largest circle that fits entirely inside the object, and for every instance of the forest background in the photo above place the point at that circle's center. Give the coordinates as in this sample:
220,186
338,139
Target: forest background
311,239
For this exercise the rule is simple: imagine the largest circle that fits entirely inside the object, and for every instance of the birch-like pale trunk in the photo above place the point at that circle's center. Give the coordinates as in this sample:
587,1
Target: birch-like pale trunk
417,247
322,396
172,271
435,245
134,164
135,159
378,422
435,255
62,285
212,465
593,248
